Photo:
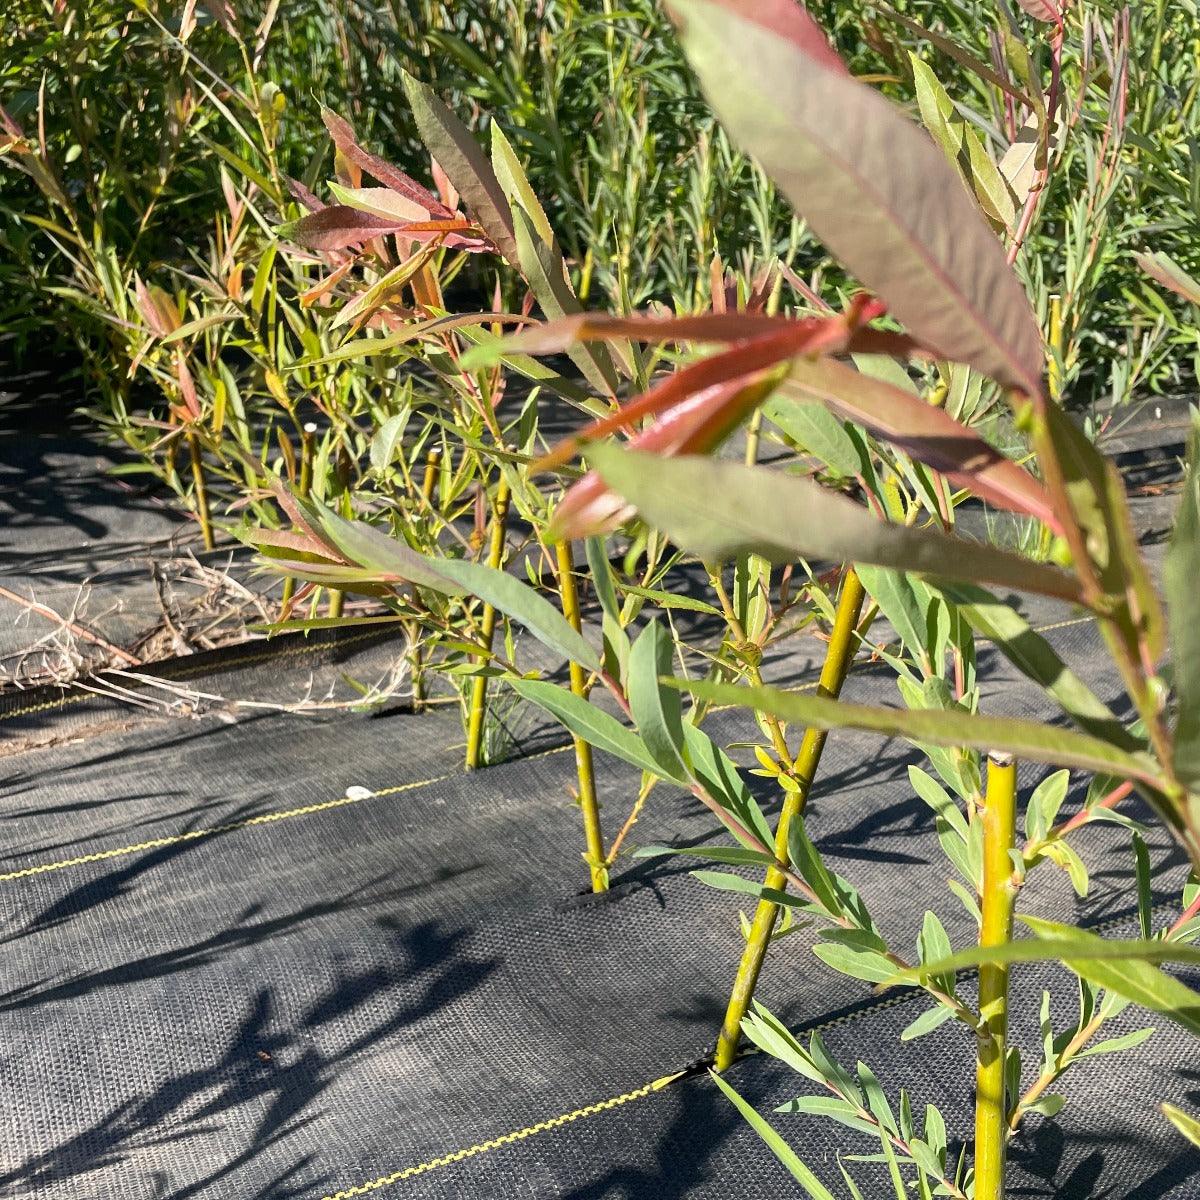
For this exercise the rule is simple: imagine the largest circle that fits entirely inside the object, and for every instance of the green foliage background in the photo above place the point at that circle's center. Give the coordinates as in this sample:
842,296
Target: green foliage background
642,188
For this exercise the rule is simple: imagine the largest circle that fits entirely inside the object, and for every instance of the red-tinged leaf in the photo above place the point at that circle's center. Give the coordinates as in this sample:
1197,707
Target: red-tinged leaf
785,18
338,226
289,539
466,165
802,337
343,138
157,310
1169,273
302,195
873,186
326,285
1042,10
555,337
697,425
924,432
187,387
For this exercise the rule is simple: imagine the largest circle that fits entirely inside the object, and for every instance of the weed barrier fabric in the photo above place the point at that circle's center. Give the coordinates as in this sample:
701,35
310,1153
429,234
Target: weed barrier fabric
307,956
235,980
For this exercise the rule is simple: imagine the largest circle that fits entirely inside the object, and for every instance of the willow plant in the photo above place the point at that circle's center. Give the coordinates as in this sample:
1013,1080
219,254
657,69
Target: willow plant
891,205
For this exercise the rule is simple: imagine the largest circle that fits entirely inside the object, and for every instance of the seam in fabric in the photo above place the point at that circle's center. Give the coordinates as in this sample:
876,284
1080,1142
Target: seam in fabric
267,818
506,1139
657,1085
325,806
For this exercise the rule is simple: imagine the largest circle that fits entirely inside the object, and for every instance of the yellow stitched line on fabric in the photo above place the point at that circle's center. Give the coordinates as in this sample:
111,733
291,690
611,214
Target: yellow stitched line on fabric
507,1139
267,818
189,672
590,1110
310,809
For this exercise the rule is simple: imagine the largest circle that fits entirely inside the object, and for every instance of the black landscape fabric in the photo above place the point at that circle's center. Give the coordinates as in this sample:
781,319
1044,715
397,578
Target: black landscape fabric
273,954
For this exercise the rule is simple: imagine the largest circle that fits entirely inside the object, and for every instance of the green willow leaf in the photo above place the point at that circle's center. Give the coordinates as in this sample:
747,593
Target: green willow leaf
927,1022
374,550
1028,740
520,602
717,773
465,164
1125,967
815,1189
1037,660
657,711
925,432
719,510
732,856
541,264
873,186
1181,573
585,720
515,184
1184,1122
962,147
816,430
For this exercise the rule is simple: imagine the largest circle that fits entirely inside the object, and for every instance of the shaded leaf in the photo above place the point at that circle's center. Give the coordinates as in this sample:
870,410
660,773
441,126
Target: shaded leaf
923,431
1181,582
783,517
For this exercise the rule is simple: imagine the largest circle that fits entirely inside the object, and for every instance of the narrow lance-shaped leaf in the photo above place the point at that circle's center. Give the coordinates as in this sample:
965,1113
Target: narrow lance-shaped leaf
962,147
343,138
541,265
465,164
656,710
1170,274
1125,967
520,602
585,720
1089,488
1037,660
515,185
338,226
1181,579
812,1186
939,727
817,430
927,433
874,188
719,510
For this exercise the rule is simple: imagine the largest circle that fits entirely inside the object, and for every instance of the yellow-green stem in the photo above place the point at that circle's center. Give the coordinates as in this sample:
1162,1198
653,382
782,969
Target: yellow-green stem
428,480
996,904
487,631
202,510
593,835
838,657
337,600
306,456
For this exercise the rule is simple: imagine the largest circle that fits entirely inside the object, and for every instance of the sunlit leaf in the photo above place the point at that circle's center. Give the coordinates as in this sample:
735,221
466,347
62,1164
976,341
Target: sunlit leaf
923,431
458,153
874,188
1027,740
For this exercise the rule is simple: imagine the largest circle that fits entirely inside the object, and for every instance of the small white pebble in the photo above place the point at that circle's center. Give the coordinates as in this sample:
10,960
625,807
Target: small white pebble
354,792
310,427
